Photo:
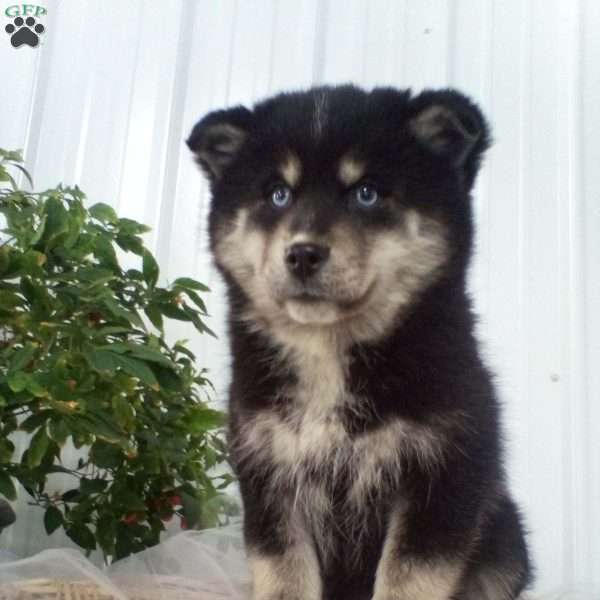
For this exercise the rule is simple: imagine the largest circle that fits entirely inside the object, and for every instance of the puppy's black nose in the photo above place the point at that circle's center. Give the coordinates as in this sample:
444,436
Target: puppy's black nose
304,260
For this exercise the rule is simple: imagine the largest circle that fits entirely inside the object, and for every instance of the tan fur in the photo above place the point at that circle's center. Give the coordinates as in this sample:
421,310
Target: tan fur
411,580
291,170
293,576
493,584
239,248
351,170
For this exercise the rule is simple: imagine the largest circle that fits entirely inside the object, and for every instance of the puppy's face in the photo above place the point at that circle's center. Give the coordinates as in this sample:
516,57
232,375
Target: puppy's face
336,207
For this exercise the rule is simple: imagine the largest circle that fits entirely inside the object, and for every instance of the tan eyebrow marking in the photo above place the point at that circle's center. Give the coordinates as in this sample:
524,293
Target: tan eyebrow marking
351,170
291,170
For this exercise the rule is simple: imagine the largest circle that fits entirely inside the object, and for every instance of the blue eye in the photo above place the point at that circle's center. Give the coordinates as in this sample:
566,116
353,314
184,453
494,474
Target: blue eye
366,196
281,196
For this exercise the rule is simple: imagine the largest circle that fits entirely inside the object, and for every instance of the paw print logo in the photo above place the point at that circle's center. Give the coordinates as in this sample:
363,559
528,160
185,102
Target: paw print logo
24,32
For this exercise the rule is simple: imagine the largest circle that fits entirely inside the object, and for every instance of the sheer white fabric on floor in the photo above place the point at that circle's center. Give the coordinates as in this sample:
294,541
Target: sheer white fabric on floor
194,565
204,565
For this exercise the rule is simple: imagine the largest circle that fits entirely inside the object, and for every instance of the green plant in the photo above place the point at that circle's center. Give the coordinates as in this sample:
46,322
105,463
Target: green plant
79,364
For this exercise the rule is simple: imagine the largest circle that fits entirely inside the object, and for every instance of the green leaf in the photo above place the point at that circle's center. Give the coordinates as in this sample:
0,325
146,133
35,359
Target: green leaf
102,360
128,500
197,301
150,269
129,226
17,382
32,422
172,311
73,495
139,351
180,346
9,301
119,311
138,369
104,213
104,251
4,259
192,284
106,456
125,543
92,486
58,430
106,532
168,379
33,261
82,536
7,449
205,419
23,170
7,487
37,447
155,316
102,427
124,412
112,330
56,221
22,357
93,274
191,509
38,390
130,243
53,519
4,176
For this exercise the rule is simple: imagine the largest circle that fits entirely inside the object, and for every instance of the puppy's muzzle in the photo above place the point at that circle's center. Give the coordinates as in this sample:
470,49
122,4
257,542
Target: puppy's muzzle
304,260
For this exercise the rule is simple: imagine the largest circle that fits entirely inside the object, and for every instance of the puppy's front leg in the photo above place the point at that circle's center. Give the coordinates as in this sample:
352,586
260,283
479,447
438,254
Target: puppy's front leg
281,554
408,576
292,575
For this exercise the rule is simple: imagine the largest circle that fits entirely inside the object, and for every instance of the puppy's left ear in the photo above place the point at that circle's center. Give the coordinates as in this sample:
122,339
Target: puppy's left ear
448,124
217,139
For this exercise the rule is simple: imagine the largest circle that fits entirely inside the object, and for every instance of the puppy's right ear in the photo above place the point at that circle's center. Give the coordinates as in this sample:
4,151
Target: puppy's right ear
218,137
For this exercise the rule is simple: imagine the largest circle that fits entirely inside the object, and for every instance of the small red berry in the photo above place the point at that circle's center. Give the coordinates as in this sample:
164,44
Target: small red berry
130,518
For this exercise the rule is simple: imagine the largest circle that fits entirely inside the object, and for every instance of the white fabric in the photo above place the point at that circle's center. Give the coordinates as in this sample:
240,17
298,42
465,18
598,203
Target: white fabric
204,565
194,565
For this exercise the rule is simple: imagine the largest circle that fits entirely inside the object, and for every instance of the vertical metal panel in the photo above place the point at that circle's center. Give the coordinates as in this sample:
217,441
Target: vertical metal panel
585,106
109,97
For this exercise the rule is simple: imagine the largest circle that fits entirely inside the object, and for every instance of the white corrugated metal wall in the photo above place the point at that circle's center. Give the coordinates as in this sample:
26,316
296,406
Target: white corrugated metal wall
109,96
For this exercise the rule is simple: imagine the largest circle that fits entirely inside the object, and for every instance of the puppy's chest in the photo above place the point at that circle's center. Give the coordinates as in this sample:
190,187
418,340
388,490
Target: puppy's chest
316,439
312,428
313,439
318,453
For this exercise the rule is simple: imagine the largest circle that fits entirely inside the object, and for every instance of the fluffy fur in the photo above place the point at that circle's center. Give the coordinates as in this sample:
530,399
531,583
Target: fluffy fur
363,423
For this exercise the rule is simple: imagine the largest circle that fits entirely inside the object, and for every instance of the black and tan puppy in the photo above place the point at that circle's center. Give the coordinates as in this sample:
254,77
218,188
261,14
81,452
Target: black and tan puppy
363,423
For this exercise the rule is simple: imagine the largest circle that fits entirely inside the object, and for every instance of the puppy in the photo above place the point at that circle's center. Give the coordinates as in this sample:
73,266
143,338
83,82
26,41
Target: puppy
364,426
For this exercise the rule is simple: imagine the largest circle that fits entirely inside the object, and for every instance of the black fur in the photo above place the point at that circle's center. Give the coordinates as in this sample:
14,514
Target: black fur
426,368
